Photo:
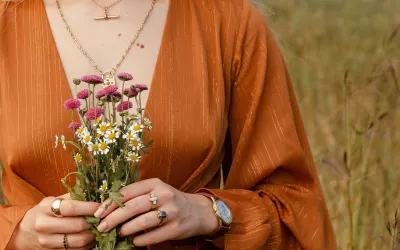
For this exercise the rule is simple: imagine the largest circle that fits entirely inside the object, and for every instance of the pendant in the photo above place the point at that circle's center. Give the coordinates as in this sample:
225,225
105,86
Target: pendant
106,16
108,78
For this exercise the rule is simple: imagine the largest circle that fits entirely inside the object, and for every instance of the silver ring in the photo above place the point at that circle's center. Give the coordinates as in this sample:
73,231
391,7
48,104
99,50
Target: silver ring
153,199
65,243
161,215
55,207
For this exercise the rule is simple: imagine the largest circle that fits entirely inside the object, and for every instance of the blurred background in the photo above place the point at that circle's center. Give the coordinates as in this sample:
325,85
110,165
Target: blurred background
344,59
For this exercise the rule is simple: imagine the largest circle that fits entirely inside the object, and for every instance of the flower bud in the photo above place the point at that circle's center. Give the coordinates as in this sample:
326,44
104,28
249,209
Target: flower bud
76,81
133,88
100,103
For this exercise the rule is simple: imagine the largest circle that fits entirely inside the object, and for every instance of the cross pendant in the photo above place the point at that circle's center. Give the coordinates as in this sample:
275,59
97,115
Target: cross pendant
106,16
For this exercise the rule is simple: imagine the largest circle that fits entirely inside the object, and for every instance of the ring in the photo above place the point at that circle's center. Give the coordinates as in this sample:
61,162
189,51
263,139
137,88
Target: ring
161,215
65,244
55,207
153,199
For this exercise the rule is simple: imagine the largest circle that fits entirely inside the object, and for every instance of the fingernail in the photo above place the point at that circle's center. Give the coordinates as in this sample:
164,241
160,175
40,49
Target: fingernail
102,227
99,212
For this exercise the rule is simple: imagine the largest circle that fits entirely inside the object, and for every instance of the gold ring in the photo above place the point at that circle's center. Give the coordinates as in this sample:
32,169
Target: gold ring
161,215
55,207
153,199
65,244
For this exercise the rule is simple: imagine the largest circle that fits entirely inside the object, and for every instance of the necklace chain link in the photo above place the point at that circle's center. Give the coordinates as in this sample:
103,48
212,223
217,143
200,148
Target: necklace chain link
80,47
106,7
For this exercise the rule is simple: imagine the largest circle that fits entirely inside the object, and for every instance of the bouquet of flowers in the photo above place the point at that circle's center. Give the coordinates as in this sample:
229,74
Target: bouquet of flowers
107,147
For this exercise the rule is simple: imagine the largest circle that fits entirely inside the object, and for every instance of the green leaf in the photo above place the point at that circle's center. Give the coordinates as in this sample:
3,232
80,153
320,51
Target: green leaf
78,189
92,220
116,186
117,198
124,246
135,175
145,150
150,143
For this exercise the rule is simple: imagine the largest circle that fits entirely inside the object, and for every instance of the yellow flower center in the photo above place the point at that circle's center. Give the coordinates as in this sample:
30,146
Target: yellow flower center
129,136
104,186
111,136
134,143
87,138
103,146
95,147
136,127
103,128
99,135
111,125
78,158
80,130
98,119
133,157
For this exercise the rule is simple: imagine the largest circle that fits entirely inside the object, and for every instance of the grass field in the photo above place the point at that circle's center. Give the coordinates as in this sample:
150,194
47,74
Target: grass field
344,58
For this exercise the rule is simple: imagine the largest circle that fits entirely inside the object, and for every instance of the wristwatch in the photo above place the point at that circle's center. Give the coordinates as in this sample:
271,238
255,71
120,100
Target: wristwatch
223,215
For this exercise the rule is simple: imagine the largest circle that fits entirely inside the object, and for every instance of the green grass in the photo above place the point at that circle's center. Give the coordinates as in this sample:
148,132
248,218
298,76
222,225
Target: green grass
344,58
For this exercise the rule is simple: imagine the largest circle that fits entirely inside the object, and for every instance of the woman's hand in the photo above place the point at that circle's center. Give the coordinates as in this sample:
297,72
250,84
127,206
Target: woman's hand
41,229
187,214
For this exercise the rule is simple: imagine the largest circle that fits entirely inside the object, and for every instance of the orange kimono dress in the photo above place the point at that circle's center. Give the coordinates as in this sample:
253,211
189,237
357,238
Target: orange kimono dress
220,97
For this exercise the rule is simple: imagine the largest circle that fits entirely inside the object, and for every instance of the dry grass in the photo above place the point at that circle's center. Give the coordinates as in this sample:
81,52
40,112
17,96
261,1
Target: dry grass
344,57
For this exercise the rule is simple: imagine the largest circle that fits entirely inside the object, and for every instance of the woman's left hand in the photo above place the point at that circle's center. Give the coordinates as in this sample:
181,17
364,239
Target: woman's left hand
187,214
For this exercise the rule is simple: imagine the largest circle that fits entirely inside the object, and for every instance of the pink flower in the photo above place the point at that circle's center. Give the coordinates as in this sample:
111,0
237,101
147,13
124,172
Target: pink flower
125,106
93,113
72,104
110,90
123,76
92,79
142,87
100,94
74,125
129,93
83,94
117,94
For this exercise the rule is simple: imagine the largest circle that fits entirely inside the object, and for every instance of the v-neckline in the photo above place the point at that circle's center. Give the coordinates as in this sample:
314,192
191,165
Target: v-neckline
158,60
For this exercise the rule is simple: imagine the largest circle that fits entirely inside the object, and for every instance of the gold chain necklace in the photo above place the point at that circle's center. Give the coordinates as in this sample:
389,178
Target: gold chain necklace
108,76
106,7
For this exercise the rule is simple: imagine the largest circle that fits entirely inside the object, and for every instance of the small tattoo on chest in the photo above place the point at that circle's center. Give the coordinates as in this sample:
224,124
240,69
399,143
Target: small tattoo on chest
140,45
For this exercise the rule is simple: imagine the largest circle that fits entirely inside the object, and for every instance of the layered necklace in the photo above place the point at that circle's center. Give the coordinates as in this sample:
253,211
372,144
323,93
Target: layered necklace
109,75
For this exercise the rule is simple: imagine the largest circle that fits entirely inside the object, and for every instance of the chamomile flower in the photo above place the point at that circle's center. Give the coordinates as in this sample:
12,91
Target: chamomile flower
148,123
86,138
136,144
136,128
132,156
94,148
80,130
57,141
102,128
129,136
63,142
136,117
98,120
104,186
78,158
103,147
111,136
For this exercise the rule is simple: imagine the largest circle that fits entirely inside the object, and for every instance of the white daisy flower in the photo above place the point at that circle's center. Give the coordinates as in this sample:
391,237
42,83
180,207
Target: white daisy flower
78,158
80,131
148,123
102,128
103,147
129,136
98,120
57,141
136,144
132,156
111,136
63,142
136,117
103,186
94,148
136,128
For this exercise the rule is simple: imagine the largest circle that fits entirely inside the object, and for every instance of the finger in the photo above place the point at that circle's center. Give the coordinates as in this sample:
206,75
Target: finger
141,223
163,233
132,208
129,192
69,208
48,224
54,241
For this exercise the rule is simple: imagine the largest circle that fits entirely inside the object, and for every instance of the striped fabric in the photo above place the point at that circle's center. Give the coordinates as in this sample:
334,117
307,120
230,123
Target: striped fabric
220,95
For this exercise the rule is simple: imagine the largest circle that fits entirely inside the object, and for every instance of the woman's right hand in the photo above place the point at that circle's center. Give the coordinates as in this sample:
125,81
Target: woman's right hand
41,229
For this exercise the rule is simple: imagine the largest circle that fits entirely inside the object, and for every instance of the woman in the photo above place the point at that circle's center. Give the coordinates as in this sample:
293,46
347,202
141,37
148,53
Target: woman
220,95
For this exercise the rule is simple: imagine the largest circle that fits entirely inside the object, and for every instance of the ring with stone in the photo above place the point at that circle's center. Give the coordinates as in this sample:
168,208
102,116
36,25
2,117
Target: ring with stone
153,199
55,207
65,243
161,215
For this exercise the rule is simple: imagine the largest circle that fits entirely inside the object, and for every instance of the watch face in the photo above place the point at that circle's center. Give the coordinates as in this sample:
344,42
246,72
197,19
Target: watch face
224,212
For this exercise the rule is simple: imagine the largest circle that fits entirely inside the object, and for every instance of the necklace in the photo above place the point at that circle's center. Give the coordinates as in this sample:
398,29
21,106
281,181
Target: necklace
106,7
108,76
